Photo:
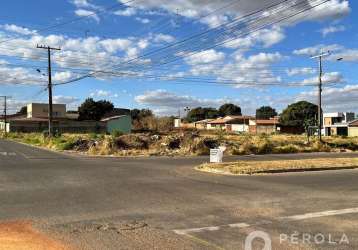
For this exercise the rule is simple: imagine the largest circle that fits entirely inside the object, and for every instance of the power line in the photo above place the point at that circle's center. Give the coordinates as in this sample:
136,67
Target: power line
200,34
74,19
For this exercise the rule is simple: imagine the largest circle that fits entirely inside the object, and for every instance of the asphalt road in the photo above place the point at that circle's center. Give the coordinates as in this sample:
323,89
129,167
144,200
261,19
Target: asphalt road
162,203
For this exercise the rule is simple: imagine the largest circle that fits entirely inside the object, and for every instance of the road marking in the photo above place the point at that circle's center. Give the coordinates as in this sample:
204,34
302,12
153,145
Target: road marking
320,214
282,219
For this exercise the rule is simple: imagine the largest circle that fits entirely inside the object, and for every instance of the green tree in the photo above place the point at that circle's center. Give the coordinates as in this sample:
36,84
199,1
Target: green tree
297,114
138,114
229,109
200,113
22,111
265,112
94,111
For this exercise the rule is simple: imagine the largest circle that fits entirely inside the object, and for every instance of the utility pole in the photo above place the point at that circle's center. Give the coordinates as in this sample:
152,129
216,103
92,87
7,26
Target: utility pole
5,112
50,107
320,75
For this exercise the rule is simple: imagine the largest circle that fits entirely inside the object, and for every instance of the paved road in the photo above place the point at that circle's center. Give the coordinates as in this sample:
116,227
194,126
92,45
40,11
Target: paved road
141,203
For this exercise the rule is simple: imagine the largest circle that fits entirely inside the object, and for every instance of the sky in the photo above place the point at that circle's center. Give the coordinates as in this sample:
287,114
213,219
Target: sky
169,55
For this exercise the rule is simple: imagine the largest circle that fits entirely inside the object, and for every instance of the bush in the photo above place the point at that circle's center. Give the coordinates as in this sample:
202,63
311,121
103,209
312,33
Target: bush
287,149
116,133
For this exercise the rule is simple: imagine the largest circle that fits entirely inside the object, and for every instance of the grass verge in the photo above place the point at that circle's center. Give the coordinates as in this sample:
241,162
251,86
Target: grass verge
279,166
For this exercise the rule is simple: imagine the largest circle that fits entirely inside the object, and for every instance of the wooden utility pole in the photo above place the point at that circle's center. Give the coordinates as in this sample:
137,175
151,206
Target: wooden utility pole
320,75
5,112
50,107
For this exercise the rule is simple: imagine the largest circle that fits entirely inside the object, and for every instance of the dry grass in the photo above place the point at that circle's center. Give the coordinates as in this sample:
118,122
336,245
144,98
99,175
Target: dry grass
187,142
261,167
21,236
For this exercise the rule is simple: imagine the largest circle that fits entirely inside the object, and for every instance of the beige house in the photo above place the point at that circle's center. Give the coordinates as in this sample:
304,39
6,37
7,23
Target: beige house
40,110
269,126
337,123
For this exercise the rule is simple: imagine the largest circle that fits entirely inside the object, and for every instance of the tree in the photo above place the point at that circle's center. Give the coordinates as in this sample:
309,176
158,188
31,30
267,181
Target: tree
200,113
297,114
138,114
22,111
94,111
229,109
265,112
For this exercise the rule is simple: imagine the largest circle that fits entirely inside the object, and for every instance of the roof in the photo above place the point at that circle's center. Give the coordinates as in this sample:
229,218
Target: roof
238,117
204,121
218,121
113,118
267,122
353,123
232,119
116,112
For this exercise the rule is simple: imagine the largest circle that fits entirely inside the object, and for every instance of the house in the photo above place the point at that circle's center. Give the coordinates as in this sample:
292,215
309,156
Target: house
120,123
353,128
41,110
202,124
258,126
337,123
231,123
36,120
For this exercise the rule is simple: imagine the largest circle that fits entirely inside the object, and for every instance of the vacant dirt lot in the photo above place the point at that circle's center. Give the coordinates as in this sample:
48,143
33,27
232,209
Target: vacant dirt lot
21,235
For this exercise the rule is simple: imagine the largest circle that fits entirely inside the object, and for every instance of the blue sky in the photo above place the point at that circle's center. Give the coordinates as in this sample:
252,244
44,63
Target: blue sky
148,54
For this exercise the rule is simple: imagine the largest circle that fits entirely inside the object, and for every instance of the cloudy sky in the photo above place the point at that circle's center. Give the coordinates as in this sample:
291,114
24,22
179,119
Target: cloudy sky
168,55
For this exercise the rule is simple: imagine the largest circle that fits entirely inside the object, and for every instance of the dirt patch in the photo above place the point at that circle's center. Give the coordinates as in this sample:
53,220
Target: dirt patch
22,236
266,167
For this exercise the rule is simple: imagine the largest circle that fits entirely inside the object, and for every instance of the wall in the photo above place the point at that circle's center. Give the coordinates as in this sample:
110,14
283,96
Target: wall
122,124
39,110
265,129
62,127
353,131
239,128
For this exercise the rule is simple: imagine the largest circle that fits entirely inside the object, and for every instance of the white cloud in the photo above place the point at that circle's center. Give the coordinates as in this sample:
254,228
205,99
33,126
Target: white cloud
143,20
17,29
330,77
84,4
310,51
113,45
264,37
205,57
332,29
18,75
87,13
335,99
158,38
300,71
62,76
126,12
100,93
349,55
264,58
168,101
332,9
60,99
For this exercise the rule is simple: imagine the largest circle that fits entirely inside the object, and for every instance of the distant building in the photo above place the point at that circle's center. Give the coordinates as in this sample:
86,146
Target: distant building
36,120
41,110
121,123
269,126
337,123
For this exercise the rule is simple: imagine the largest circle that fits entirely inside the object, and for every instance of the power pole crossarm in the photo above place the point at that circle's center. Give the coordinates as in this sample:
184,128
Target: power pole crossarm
50,109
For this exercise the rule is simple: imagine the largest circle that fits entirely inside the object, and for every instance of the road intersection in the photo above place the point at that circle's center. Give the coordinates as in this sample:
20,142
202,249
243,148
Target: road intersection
178,207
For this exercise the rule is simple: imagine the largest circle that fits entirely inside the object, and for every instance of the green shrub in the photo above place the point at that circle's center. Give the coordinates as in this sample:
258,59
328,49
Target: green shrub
116,133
